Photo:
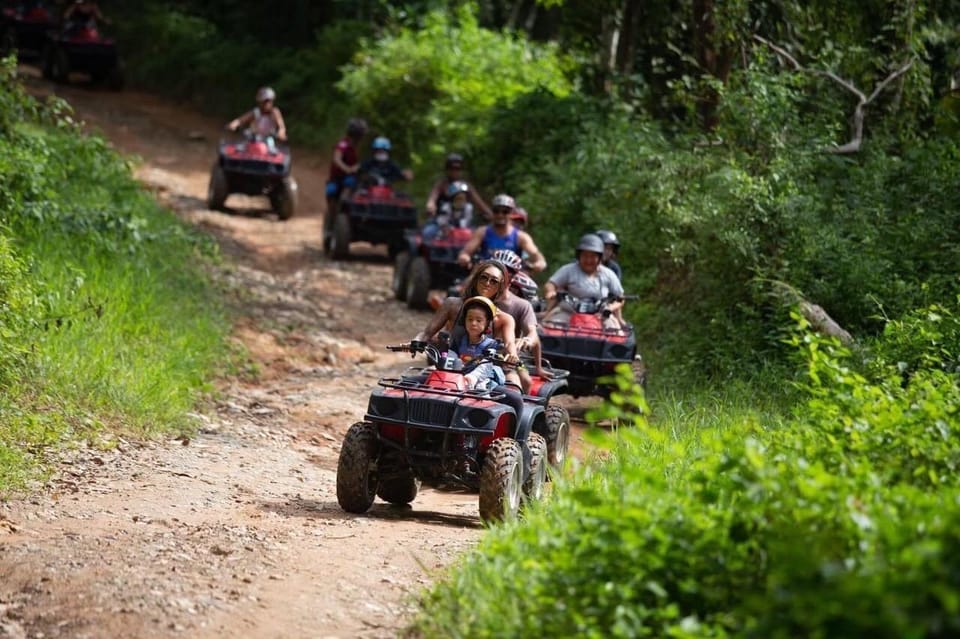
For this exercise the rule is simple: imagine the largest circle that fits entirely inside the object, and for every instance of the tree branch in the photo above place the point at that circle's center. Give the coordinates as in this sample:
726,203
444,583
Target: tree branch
862,100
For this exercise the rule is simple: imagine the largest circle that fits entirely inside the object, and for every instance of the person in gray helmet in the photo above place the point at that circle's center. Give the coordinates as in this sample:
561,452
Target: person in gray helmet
585,278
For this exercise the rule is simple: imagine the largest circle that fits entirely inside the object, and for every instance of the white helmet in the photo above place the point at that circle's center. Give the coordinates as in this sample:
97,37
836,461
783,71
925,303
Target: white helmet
266,93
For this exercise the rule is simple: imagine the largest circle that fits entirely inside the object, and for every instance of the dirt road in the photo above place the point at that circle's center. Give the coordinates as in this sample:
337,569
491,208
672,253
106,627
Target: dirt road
236,532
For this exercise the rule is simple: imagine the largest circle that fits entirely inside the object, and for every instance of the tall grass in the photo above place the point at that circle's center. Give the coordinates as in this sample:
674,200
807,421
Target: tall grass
121,327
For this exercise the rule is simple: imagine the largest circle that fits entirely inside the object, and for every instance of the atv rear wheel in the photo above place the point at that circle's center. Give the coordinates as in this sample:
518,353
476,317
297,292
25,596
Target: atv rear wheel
284,198
557,436
399,281
501,480
399,491
217,190
533,487
340,242
357,468
418,283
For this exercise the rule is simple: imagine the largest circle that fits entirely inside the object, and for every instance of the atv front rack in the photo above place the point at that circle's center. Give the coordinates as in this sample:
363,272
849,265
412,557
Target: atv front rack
414,385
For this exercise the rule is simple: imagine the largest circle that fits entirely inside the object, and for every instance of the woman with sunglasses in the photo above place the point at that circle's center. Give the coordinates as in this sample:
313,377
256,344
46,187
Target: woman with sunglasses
488,279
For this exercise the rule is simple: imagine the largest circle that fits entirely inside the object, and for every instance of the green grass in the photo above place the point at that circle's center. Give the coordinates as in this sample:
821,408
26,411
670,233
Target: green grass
120,326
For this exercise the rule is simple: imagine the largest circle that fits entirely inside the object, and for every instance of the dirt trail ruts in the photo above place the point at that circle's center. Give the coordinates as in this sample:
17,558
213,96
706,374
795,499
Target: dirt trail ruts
235,532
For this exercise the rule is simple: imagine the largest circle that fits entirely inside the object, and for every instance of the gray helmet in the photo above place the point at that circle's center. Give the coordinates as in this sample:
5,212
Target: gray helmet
608,237
266,93
504,201
590,242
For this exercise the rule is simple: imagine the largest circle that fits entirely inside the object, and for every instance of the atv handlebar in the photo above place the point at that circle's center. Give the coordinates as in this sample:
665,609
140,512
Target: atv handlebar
436,354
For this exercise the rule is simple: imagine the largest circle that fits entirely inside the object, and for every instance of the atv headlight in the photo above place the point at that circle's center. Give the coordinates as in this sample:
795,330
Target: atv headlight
619,351
384,407
477,418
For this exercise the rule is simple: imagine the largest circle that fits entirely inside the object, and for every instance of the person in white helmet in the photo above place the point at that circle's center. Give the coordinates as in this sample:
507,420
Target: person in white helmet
265,119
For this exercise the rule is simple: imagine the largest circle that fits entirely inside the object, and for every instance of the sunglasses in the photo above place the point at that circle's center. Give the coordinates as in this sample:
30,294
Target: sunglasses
501,211
483,278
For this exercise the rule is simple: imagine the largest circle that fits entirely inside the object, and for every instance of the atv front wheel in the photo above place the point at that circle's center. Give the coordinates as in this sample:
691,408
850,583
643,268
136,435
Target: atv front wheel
217,189
418,283
340,242
557,436
399,281
399,491
501,480
284,198
533,487
357,468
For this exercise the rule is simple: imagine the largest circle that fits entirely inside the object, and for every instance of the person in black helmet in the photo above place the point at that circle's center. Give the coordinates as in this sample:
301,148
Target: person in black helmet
611,246
453,172
586,278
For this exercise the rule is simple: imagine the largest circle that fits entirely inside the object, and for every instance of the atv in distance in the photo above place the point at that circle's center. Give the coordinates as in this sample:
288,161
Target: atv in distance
255,165
82,48
24,27
375,214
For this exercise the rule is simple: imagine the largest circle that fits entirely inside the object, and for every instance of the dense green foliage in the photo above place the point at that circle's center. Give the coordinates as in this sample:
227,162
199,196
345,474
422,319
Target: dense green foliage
839,521
706,135
448,76
107,318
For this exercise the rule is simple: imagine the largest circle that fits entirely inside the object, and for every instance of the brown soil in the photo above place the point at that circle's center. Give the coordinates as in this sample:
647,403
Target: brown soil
236,532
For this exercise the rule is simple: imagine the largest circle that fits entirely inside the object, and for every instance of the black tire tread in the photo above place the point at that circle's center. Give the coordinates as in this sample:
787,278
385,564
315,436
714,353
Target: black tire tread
496,476
356,484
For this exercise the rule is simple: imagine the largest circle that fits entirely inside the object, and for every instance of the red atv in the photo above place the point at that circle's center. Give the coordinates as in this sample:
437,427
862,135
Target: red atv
82,48
24,27
426,426
587,349
254,166
429,261
375,214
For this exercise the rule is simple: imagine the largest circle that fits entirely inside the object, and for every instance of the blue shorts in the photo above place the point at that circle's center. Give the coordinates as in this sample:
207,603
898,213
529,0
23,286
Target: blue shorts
334,187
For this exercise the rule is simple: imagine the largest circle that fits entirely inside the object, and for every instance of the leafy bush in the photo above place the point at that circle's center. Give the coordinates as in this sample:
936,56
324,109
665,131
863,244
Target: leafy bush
109,295
178,53
839,522
437,88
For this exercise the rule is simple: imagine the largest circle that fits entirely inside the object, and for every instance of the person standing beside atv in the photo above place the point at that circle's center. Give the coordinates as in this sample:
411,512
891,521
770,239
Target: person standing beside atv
585,278
611,245
502,234
453,172
380,169
264,120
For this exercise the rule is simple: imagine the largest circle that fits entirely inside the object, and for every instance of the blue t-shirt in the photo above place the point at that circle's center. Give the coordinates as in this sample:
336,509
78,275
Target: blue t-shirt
468,351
